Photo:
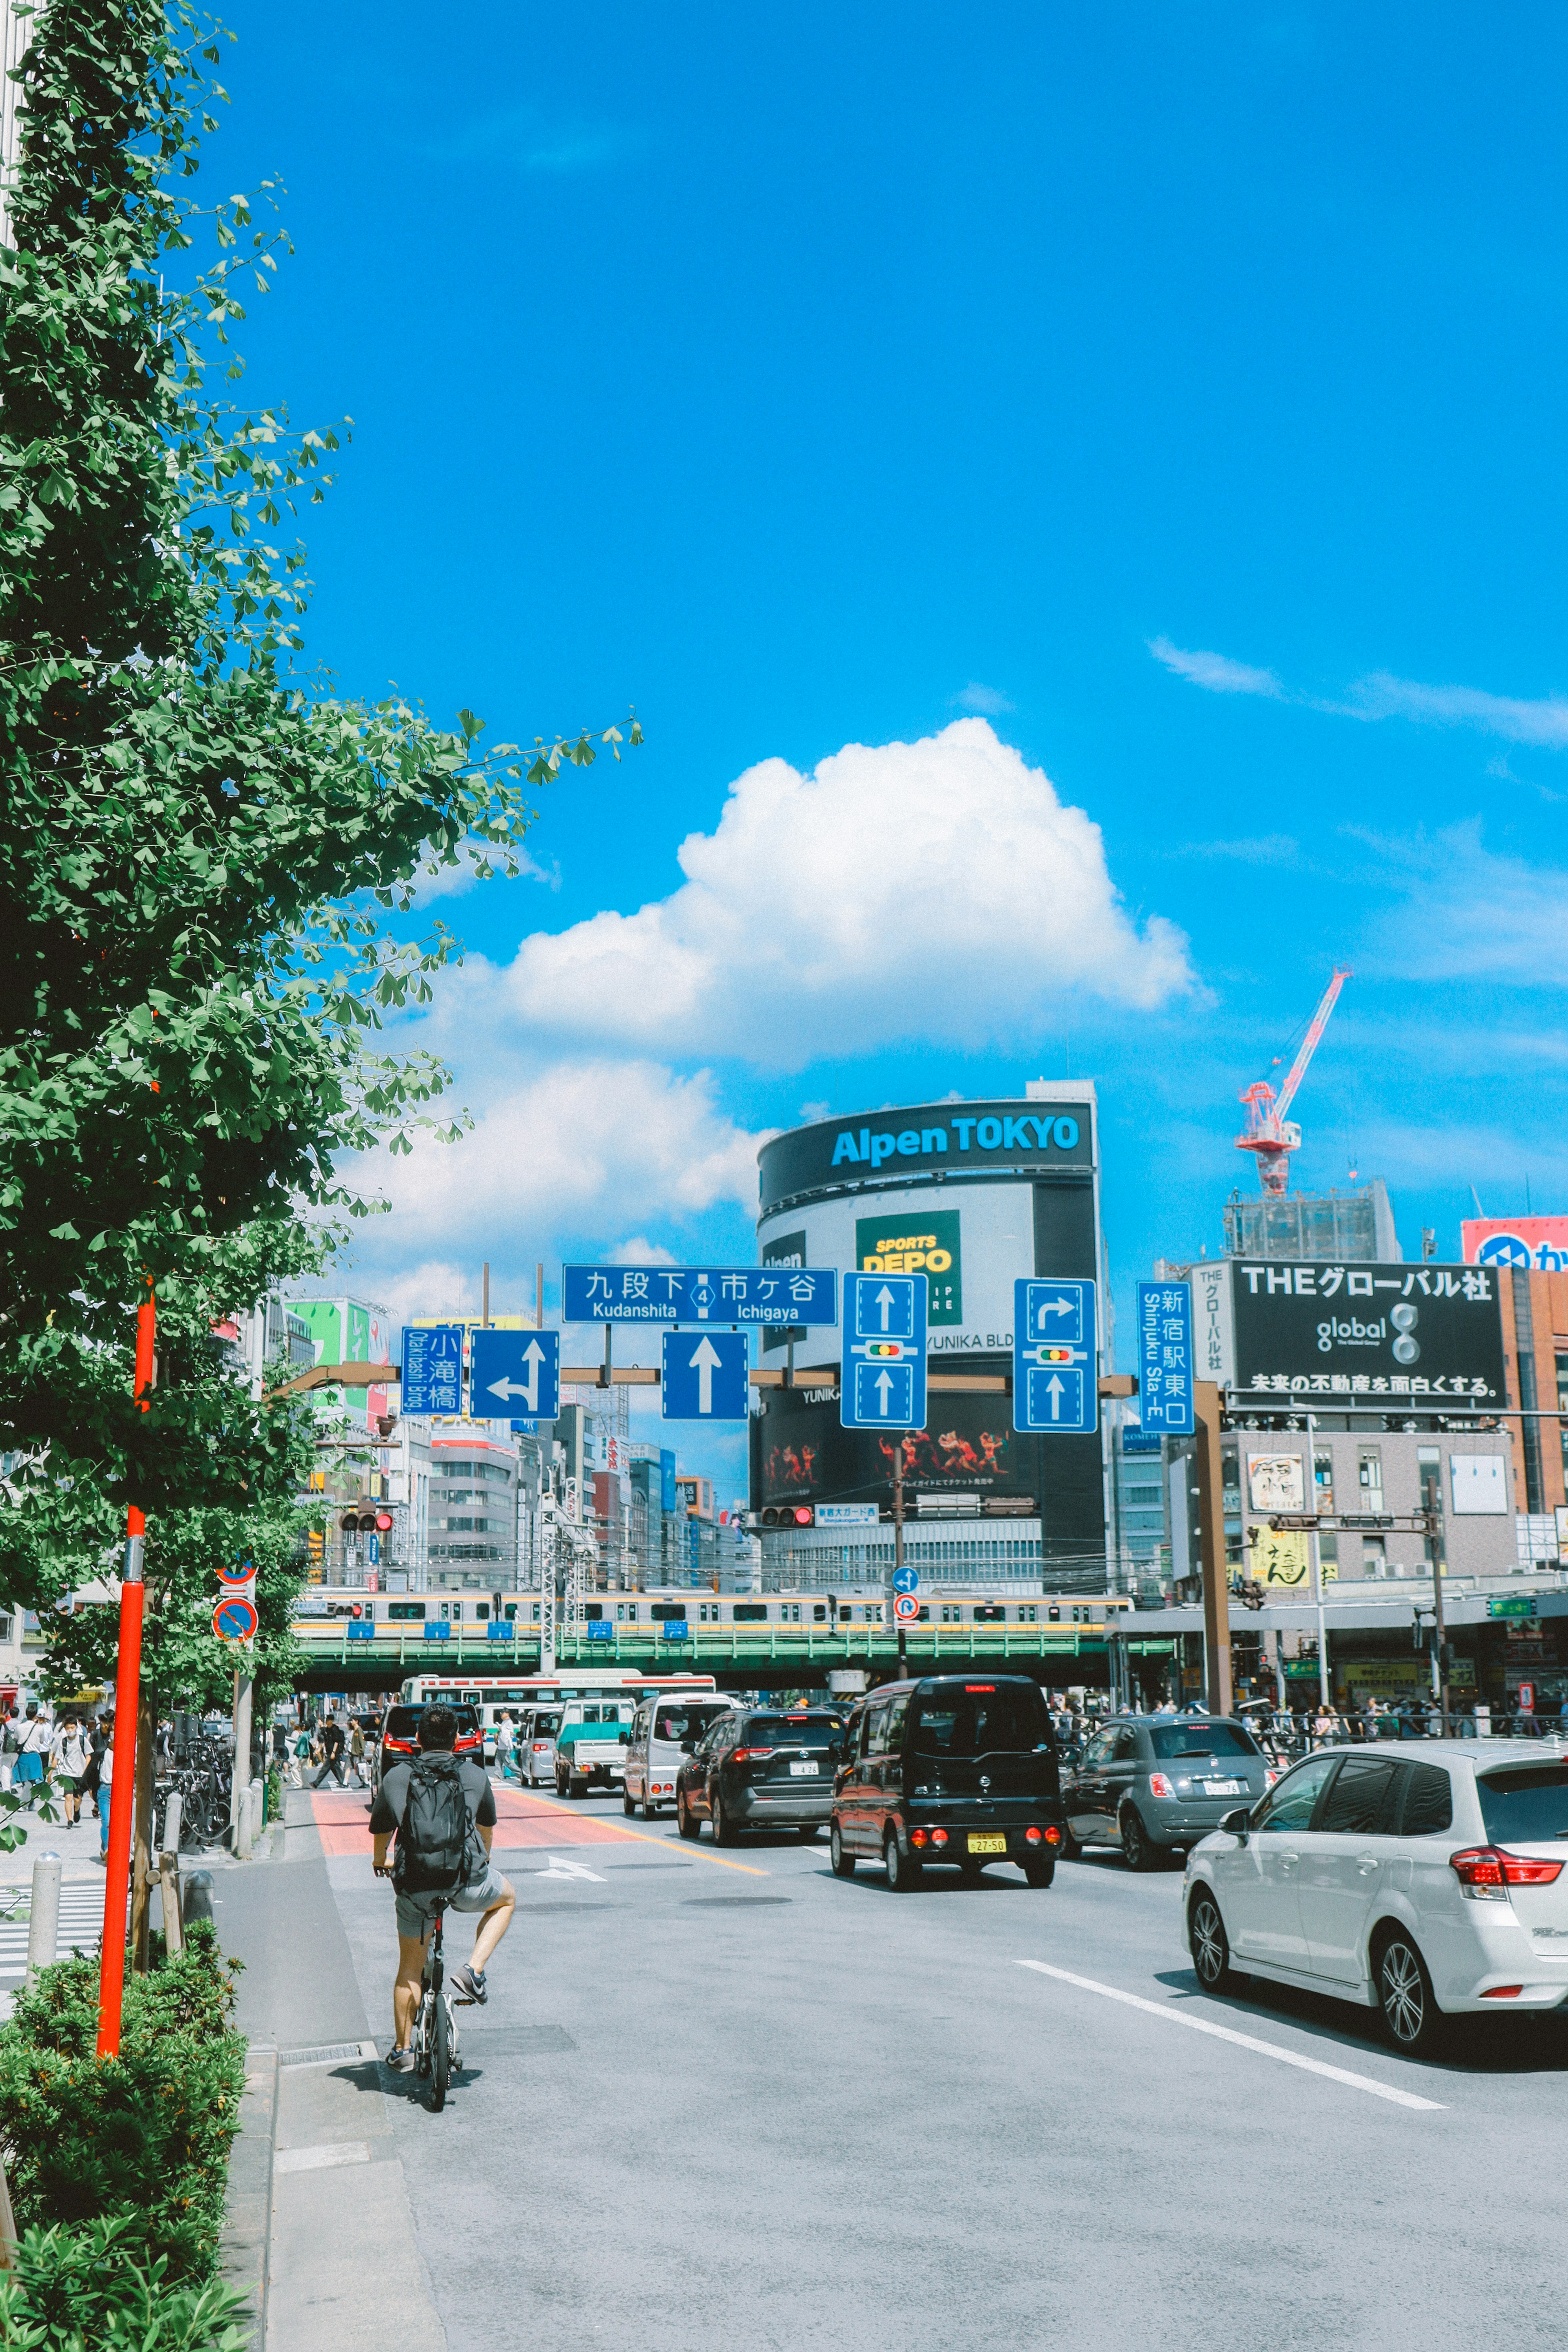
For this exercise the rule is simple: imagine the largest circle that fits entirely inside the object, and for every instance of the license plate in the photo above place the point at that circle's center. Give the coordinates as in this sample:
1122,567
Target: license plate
804,1771
1223,1788
984,1842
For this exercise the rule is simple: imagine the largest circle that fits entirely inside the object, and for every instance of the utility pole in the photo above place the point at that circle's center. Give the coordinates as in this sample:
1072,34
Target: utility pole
1439,1632
1211,1546
127,1716
1309,1501
485,1306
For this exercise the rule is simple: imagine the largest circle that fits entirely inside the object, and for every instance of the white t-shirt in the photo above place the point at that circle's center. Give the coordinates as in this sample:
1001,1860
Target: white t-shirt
106,1768
72,1751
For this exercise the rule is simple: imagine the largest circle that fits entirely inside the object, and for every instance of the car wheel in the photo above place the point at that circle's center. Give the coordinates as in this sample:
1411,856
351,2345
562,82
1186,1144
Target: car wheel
902,1873
686,1821
626,1805
807,1830
1135,1846
723,1831
1039,1874
1405,1995
843,1863
649,1810
1209,1943
1071,1850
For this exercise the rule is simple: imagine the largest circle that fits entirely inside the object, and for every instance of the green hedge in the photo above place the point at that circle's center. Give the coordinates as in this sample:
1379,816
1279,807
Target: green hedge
87,2290
143,2140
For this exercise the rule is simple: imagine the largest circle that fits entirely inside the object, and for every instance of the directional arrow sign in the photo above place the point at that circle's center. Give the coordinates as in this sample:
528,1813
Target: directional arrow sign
905,1579
512,1369
1056,1387
707,1376
883,1382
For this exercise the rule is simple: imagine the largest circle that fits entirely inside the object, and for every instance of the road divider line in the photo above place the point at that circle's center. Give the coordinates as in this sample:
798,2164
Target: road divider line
1174,2016
641,1837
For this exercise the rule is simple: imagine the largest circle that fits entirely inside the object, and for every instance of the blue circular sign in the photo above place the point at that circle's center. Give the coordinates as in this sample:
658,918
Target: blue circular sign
905,1579
1503,1249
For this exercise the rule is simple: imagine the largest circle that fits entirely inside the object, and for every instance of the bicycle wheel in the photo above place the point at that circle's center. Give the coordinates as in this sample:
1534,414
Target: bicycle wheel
440,2053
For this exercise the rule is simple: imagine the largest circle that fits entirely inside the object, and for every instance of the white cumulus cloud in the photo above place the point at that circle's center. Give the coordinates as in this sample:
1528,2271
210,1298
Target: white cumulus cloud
586,1148
938,889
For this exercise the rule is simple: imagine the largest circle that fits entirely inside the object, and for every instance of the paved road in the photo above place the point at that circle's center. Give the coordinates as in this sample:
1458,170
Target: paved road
724,2099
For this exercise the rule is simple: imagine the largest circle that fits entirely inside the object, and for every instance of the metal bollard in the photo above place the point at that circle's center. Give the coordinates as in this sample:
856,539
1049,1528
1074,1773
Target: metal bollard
198,1902
43,1929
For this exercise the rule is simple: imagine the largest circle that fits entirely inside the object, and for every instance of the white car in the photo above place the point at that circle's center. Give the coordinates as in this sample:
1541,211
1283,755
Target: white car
1421,1880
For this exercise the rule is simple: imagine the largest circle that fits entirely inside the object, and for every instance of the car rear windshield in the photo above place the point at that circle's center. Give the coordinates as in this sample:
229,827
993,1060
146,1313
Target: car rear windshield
684,1722
978,1720
1174,1739
792,1730
547,1723
403,1722
1527,1805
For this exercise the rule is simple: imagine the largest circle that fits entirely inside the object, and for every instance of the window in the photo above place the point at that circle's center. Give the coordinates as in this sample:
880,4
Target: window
1124,1747
1291,1805
1174,1739
1096,1755
751,1612
1323,1482
1429,1801
1027,1616
1371,1470
405,1613
978,1720
1525,1804
819,1612
593,1612
672,1611
992,1613
876,1731
1359,1803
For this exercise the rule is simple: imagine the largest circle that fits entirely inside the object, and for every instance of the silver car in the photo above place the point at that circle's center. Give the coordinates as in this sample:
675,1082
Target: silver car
534,1753
1152,1783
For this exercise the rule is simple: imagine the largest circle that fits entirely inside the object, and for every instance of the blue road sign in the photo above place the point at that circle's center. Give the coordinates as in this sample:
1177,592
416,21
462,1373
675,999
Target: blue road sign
432,1368
882,1380
509,1370
707,1376
676,1628
1165,1358
905,1579
689,1294
1056,1386
235,1621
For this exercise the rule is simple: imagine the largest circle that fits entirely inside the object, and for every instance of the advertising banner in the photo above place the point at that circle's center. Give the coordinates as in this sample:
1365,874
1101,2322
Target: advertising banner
1538,1243
1367,1332
928,1242
972,1139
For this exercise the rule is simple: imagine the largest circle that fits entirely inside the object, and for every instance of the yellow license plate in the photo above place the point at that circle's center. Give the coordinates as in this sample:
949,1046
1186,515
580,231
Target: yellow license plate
979,1843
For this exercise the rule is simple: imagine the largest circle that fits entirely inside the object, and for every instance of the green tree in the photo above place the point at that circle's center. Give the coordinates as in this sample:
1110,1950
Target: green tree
201,845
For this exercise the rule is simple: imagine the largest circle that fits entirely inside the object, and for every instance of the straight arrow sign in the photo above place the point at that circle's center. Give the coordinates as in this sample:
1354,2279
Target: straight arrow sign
1054,1390
703,1363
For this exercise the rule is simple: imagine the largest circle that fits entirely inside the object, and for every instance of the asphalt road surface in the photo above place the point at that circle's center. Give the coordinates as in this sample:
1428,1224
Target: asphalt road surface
724,2099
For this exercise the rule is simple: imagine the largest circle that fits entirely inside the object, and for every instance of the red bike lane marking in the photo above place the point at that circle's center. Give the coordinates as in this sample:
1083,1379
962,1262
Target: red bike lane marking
522,1822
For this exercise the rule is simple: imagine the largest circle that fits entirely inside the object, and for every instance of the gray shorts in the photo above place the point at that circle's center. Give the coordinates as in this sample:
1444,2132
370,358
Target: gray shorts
417,1913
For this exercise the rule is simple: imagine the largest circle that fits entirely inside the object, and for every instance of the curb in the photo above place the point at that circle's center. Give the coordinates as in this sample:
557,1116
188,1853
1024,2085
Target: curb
245,2242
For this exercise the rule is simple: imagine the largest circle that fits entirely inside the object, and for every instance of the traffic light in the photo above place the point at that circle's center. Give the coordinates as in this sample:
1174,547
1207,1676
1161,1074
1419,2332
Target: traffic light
367,1523
1250,1593
351,1523
382,1522
781,1514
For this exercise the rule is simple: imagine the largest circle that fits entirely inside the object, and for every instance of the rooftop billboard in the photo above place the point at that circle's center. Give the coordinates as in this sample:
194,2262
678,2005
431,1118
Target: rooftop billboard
1373,1332
1540,1243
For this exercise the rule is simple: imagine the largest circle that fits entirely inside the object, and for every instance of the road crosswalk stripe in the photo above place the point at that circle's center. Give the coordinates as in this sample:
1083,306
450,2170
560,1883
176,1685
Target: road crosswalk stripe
80,1923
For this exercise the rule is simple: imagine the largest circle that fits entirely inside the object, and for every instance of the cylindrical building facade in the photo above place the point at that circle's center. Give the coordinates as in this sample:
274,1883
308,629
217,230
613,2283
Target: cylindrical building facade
974,1194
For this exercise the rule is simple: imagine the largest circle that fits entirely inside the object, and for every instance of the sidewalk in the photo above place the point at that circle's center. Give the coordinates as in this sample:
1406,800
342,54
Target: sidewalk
345,2270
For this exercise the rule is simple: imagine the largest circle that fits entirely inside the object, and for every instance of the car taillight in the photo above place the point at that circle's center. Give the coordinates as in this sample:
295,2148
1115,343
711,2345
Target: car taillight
749,1755
917,1837
1160,1785
1486,1873
1053,1835
939,1837
1270,1777
1032,1836
1502,1993
539,1747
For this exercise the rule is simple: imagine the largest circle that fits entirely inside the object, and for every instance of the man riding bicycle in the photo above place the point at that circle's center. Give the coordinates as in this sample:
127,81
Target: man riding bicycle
410,1795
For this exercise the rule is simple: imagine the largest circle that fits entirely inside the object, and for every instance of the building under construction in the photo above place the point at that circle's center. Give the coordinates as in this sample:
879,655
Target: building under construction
1328,1228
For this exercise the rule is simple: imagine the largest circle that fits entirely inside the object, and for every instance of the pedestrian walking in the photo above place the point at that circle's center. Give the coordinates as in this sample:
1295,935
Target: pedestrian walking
31,1750
505,1741
301,1756
71,1758
356,1755
105,1786
332,1746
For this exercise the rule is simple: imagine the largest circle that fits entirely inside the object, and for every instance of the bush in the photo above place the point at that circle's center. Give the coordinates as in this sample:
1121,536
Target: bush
85,2290
145,2138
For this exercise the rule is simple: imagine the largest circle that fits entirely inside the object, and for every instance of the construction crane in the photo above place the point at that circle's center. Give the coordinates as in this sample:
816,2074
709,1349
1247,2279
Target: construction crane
1269,1133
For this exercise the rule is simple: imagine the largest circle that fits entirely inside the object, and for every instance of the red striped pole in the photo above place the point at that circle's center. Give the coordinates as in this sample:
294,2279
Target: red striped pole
127,1714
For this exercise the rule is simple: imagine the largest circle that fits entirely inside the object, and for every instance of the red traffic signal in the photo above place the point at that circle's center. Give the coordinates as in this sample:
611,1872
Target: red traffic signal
786,1515
383,1521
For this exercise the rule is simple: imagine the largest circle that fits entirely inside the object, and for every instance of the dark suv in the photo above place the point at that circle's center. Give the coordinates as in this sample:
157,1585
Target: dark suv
767,1767
1153,1782
955,1768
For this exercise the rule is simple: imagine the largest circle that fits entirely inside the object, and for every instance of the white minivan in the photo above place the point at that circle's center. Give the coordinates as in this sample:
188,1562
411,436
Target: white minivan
1423,1880
664,1730
533,1755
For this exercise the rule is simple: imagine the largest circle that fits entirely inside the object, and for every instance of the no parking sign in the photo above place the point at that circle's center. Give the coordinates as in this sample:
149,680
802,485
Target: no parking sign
234,1619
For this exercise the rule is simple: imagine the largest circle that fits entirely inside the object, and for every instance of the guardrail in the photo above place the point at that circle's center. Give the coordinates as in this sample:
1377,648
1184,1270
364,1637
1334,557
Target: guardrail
714,1645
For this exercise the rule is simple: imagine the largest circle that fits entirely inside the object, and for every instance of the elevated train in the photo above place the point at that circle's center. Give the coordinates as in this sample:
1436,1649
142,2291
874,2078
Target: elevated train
473,1615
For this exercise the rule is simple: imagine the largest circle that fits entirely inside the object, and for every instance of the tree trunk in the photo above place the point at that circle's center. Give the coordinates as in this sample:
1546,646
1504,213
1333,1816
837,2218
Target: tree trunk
142,1870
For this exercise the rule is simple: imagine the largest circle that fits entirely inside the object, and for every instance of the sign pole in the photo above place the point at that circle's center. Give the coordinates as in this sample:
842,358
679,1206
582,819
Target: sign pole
898,1556
127,1712
1211,1545
1440,1634
1310,1499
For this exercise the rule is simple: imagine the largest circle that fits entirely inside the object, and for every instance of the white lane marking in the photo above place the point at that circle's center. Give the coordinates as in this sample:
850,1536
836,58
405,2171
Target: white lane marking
1176,2016
319,2159
560,1867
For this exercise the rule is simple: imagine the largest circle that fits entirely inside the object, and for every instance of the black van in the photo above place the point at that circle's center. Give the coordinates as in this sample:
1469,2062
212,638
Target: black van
953,1769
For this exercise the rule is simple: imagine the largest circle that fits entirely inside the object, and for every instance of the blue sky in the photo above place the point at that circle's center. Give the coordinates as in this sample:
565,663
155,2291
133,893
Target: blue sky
1173,392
